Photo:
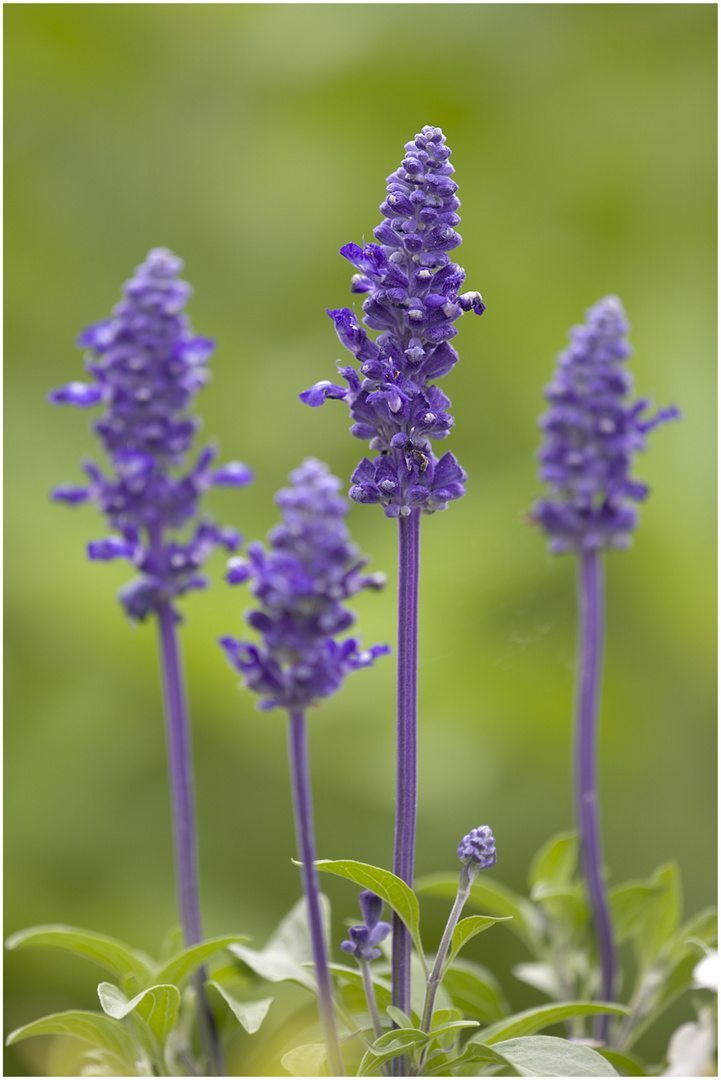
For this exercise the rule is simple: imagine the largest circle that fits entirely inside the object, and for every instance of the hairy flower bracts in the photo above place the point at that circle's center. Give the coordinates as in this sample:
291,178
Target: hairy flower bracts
146,366
413,301
301,582
591,433
365,938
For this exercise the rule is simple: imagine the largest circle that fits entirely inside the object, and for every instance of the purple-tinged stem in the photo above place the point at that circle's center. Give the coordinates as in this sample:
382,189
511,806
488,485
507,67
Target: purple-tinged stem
185,840
305,838
588,695
409,540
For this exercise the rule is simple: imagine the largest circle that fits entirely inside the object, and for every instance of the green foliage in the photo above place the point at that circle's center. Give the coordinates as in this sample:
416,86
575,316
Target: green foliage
130,966
250,1014
532,1020
288,950
94,1028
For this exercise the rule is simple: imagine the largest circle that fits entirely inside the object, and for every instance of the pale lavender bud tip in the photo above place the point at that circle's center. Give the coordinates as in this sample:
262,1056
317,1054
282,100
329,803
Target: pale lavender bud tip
479,846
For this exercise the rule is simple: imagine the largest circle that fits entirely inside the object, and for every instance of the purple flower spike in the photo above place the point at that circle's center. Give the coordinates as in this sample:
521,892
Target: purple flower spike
479,846
301,582
412,298
147,366
365,938
591,434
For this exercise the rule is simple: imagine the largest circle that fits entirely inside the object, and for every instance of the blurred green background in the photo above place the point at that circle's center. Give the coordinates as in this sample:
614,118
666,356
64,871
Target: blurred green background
254,140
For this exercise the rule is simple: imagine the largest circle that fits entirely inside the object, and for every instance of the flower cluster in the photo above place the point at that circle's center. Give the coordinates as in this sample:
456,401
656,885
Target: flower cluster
310,569
146,366
413,299
479,846
365,938
591,433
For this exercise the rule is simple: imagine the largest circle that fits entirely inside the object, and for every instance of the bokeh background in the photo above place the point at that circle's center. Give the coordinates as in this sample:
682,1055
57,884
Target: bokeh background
254,140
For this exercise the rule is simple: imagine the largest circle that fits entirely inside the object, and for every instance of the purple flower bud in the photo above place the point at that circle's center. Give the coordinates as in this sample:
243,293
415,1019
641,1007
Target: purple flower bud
479,846
365,938
413,300
147,366
591,434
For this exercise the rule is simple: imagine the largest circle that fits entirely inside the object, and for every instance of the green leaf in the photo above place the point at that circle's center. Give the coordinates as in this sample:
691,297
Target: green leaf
437,1032
391,1044
158,1006
488,895
187,961
475,991
308,1060
250,1014
631,1065
541,976
660,918
473,1053
546,1055
91,1027
133,968
531,1020
390,888
288,949
398,1017
555,864
468,928
564,904
628,904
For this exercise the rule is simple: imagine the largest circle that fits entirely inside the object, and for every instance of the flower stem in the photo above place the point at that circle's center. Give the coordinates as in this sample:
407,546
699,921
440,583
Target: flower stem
436,975
409,537
303,812
185,841
588,694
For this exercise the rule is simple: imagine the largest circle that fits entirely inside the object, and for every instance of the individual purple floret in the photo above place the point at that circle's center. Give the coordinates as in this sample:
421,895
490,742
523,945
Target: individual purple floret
591,433
479,846
146,367
413,300
365,938
302,581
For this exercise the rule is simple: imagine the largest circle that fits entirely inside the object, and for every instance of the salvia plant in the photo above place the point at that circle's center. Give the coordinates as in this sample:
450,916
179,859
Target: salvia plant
609,960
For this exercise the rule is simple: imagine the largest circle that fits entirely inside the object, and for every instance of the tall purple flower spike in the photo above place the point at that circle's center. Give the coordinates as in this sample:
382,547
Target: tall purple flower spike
590,436
146,367
301,582
591,433
413,300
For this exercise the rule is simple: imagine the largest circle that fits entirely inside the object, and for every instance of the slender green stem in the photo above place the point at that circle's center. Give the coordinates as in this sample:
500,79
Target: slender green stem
370,996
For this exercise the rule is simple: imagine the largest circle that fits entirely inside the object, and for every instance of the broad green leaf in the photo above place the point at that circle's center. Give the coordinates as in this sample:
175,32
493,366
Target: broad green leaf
308,1060
187,961
468,928
390,888
391,1044
564,904
250,1014
541,976
91,1027
382,987
630,1064
532,1020
546,1055
487,895
128,965
660,918
555,864
158,1006
475,991
474,1053
288,949
439,1030
628,904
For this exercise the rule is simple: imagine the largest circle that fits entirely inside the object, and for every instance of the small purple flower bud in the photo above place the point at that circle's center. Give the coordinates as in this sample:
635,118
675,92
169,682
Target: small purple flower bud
479,846
365,938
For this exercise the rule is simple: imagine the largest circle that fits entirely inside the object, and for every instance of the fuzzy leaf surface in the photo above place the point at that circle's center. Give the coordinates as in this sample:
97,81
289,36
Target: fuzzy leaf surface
158,1006
184,963
128,965
94,1028
288,949
307,1060
532,1020
469,928
546,1055
489,896
250,1014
